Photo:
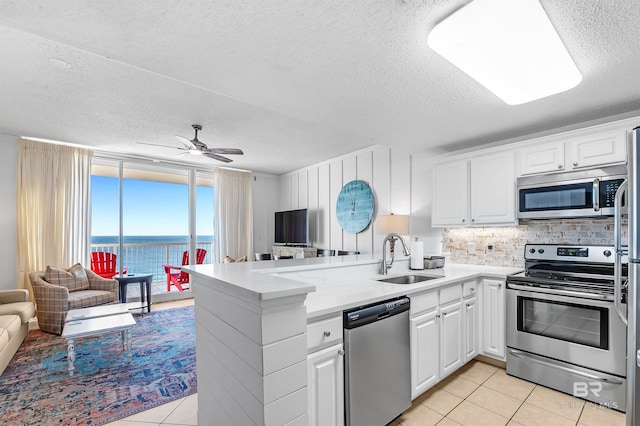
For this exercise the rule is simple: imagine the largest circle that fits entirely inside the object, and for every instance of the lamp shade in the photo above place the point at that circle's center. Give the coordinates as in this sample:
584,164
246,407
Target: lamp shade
393,224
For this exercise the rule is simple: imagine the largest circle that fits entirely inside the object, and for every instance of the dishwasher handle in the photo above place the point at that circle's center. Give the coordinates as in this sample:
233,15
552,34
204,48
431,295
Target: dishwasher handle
368,314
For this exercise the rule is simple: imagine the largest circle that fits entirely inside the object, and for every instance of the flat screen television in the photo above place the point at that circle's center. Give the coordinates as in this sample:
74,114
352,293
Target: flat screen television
291,227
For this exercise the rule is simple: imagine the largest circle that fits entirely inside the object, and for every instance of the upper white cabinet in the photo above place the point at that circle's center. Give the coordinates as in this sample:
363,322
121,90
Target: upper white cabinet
542,158
588,148
450,194
477,191
493,189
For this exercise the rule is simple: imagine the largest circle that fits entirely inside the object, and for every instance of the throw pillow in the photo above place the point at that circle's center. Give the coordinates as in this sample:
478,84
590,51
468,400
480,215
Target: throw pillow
229,259
73,278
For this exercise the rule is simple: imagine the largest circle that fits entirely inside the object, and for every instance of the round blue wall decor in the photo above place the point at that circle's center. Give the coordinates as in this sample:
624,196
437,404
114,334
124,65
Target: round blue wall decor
354,207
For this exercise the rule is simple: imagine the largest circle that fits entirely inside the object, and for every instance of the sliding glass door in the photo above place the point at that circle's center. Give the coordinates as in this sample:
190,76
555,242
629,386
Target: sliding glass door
142,213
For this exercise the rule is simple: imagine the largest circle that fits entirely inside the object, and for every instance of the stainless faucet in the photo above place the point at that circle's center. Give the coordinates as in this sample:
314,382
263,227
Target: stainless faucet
391,237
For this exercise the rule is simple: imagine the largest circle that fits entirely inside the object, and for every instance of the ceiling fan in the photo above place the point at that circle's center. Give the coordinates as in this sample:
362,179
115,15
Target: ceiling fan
195,146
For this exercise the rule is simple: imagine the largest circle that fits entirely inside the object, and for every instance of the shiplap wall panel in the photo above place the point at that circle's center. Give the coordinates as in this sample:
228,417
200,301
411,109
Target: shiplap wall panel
324,207
381,179
335,185
365,173
295,194
400,201
285,192
303,190
317,187
313,212
349,173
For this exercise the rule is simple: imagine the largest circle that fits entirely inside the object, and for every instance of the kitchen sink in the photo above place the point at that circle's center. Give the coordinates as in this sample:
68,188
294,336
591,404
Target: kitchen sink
408,279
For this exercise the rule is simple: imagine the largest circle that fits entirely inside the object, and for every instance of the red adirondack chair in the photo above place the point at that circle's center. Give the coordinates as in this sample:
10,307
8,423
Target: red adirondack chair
179,278
105,264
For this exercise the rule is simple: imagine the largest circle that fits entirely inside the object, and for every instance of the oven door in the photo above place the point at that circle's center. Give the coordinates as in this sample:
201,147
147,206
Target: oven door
580,331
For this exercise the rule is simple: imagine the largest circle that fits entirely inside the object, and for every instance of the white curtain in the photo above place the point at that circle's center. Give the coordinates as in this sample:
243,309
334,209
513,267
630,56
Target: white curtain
53,207
233,214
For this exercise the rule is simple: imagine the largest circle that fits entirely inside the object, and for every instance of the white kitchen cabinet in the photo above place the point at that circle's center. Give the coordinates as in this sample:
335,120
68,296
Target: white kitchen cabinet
450,337
493,189
470,326
583,149
542,158
450,194
477,191
325,386
597,149
493,318
424,352
325,371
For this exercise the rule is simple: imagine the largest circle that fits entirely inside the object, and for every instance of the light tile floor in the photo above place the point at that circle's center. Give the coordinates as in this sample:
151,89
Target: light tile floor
478,394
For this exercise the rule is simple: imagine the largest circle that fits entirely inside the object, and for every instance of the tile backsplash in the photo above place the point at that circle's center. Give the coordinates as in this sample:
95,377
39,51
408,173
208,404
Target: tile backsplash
504,245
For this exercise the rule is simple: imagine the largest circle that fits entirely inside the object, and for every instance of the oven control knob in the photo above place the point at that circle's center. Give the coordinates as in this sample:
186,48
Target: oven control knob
540,251
532,251
607,253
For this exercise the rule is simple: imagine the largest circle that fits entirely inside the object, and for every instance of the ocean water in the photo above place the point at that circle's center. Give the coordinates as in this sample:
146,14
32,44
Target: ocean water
146,254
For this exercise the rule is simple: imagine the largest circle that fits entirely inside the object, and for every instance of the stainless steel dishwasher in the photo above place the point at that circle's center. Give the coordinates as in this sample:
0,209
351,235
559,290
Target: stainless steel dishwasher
377,362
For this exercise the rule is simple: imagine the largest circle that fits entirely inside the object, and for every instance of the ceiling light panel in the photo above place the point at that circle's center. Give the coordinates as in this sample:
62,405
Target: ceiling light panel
508,46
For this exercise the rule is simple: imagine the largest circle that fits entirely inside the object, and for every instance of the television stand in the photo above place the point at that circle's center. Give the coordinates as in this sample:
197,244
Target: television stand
298,252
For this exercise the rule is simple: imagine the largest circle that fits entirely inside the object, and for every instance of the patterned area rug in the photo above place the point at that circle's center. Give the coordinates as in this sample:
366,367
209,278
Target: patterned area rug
36,388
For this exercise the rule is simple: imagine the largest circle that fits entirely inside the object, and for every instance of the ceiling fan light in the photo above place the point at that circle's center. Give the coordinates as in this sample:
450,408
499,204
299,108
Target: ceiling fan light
508,46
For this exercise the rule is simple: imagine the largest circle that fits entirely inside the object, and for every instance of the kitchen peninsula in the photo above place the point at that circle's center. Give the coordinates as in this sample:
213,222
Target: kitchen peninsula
269,334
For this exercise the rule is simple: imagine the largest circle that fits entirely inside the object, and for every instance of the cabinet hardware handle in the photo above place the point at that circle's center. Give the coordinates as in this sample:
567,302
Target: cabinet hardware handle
468,305
341,352
438,316
463,220
473,220
499,285
327,333
473,289
444,314
575,164
559,166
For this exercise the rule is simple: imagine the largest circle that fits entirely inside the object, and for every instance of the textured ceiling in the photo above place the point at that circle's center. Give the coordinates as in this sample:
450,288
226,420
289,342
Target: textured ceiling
290,82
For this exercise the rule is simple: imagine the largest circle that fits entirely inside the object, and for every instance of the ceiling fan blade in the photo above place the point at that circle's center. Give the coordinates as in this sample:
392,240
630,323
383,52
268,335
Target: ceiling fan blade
216,156
157,144
230,151
186,142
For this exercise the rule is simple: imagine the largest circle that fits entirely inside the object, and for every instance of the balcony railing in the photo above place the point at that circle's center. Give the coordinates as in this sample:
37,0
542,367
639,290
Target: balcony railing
148,258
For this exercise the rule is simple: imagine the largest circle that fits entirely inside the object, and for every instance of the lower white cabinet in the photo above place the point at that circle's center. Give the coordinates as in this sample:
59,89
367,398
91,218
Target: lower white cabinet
493,318
450,329
436,343
424,352
470,328
325,386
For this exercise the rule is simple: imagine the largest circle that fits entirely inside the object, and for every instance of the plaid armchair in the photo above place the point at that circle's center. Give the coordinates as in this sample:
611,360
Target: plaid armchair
54,299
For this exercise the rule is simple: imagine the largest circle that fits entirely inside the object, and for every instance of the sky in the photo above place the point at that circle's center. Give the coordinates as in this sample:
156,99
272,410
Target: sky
149,208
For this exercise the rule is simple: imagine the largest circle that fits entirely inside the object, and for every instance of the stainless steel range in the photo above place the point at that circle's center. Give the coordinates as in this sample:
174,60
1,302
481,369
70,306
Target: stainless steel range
563,330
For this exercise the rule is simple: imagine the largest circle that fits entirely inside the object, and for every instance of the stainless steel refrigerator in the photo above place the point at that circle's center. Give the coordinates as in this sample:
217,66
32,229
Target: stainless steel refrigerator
633,299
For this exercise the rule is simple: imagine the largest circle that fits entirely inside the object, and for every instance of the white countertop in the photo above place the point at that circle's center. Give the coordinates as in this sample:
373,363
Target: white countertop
334,283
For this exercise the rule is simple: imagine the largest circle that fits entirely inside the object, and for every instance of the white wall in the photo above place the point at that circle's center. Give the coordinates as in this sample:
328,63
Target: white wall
8,183
266,197
387,171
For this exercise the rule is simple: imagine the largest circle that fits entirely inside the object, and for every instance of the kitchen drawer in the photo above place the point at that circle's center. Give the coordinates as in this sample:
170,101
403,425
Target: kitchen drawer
450,294
469,288
324,333
423,302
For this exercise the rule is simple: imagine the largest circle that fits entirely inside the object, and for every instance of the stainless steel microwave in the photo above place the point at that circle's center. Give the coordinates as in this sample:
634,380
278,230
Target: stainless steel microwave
587,193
